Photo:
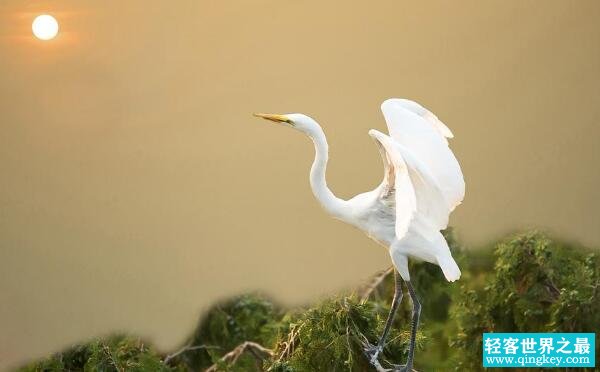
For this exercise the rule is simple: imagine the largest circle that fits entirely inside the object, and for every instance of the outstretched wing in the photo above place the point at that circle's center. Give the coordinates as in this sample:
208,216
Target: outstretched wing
424,135
425,114
416,192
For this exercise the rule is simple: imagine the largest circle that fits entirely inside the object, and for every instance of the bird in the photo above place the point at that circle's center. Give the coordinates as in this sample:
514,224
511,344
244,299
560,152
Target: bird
422,184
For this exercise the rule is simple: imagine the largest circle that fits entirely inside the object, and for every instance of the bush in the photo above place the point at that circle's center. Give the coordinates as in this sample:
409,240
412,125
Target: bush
331,337
527,283
249,317
116,353
536,285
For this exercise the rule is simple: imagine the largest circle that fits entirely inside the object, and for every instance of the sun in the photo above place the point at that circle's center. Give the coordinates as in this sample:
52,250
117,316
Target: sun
45,27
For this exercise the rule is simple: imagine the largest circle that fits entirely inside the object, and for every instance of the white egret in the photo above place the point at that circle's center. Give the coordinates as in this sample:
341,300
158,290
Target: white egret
422,184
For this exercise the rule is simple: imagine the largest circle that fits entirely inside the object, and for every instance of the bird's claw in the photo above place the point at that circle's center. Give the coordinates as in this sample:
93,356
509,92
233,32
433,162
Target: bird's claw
372,353
401,368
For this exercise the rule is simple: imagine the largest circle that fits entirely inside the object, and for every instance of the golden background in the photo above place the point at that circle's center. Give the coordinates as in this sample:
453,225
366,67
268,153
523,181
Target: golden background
137,189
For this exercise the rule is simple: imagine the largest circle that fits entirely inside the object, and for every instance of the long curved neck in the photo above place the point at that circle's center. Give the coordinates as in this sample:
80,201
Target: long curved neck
318,183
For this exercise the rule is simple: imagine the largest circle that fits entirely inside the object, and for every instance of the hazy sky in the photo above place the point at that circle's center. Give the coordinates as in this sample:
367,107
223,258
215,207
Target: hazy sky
137,188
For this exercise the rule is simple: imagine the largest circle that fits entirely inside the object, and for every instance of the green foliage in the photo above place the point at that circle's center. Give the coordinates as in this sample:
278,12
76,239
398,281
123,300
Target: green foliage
332,335
115,354
529,284
249,317
537,285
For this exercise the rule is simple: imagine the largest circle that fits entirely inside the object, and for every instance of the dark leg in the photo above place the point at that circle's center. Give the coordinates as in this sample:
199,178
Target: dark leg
393,309
374,351
415,324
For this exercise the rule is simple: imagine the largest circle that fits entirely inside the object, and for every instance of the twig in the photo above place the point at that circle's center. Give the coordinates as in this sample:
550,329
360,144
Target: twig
113,361
377,280
290,343
259,352
185,349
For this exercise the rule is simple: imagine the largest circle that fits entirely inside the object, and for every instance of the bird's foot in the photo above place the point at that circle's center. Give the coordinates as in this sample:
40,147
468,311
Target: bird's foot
401,368
372,353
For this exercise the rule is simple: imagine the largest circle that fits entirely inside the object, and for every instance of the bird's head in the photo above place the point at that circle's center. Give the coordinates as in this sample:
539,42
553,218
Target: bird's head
300,122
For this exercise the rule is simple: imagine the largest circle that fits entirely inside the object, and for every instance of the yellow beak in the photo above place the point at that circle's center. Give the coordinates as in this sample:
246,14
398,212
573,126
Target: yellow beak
275,117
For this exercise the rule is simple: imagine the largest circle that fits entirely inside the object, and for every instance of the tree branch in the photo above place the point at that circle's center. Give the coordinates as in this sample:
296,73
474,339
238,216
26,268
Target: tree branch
377,280
258,351
185,349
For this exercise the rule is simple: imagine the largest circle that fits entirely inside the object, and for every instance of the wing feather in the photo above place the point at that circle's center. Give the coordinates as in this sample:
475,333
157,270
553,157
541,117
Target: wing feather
400,185
421,133
389,173
416,192
425,114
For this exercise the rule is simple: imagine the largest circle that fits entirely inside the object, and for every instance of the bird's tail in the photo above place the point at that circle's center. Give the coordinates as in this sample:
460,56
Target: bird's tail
449,267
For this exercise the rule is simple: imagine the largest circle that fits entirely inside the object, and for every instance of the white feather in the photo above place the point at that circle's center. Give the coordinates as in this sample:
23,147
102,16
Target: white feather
413,127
